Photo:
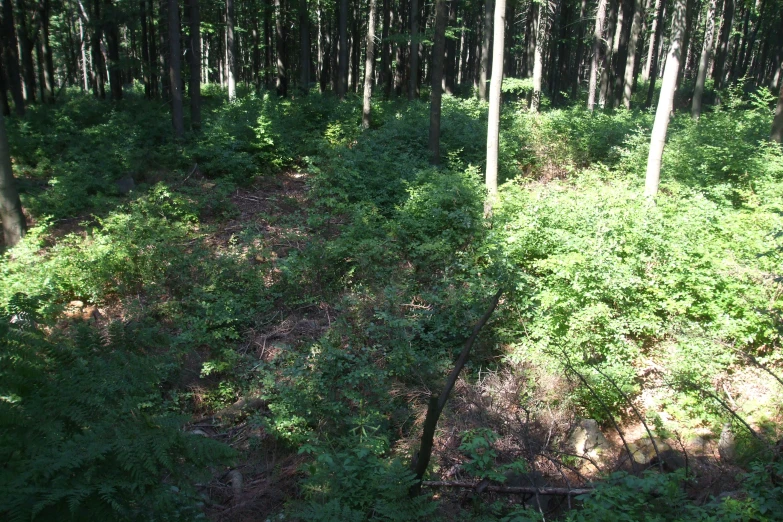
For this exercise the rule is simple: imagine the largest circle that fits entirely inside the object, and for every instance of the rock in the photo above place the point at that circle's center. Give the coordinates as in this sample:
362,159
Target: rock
125,185
727,447
672,460
199,432
643,450
587,439
90,312
697,444
235,479
76,304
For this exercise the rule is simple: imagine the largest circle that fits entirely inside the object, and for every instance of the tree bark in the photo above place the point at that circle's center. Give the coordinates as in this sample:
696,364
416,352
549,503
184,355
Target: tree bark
231,63
630,64
11,57
413,88
113,41
723,44
304,47
438,54
652,43
663,112
539,28
369,63
342,73
14,224
145,50
98,64
282,78
597,44
653,58
45,10
612,40
777,124
485,42
704,60
195,65
26,53
580,45
5,108
493,123
175,71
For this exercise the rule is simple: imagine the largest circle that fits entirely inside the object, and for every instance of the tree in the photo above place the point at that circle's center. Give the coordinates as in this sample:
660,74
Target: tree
488,13
230,51
304,47
369,62
777,123
652,56
438,55
195,65
597,44
704,61
413,89
10,56
540,30
342,72
175,71
14,224
282,79
113,41
493,125
662,113
630,64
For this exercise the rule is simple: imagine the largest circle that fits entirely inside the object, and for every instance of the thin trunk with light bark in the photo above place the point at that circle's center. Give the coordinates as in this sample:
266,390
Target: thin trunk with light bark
493,125
231,64
195,65
175,71
413,87
484,74
369,62
597,44
663,112
438,55
539,27
630,64
342,72
704,61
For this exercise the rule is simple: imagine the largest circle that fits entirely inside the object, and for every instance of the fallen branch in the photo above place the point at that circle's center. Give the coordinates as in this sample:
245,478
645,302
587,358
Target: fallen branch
523,490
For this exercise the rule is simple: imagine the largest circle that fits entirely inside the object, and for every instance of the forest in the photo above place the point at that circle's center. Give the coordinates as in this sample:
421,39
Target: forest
391,260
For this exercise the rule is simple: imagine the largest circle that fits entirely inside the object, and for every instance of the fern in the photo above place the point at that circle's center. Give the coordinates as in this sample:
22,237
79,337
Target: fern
84,434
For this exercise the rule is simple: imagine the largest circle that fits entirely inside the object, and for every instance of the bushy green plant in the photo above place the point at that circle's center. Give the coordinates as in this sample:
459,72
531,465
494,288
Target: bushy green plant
84,432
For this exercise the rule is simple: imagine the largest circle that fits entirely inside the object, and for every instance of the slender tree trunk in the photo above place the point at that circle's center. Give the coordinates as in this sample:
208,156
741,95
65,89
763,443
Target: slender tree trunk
723,44
621,55
663,112
282,79
175,71
83,46
145,50
580,45
267,44
195,65
5,108
704,61
539,28
231,62
450,64
11,58
657,16
413,88
304,47
45,11
493,124
777,123
612,40
98,65
153,65
369,63
489,8
657,39
630,65
14,224
438,54
342,74
113,40
26,53
597,44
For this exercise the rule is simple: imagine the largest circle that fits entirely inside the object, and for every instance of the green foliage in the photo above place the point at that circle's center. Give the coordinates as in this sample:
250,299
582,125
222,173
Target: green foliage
358,485
84,433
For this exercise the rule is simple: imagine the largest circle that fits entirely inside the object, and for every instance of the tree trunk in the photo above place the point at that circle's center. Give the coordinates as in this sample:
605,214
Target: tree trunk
304,47
369,63
663,112
342,74
11,57
539,28
450,65
704,61
488,13
145,50
612,41
580,45
45,11
113,41
231,62
493,124
281,83
597,44
175,71
621,55
630,64
723,44
413,88
26,53
98,65
652,42
267,44
195,65
154,76
83,46
14,224
438,54
5,108
777,123
658,33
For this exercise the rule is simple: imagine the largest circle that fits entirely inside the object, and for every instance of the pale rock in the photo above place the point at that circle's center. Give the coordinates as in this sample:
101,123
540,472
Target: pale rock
588,440
643,450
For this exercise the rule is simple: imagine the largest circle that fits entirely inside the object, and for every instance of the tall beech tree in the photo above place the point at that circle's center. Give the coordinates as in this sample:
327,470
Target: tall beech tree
14,224
663,112
597,44
777,123
485,50
195,65
230,51
493,124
